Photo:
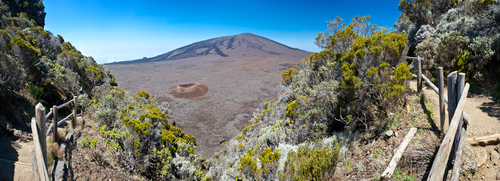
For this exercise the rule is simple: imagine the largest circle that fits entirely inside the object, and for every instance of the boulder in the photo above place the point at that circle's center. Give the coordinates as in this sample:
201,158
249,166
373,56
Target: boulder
494,155
469,161
481,156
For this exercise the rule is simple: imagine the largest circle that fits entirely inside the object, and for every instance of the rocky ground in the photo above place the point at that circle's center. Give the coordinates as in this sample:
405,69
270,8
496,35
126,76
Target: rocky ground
236,87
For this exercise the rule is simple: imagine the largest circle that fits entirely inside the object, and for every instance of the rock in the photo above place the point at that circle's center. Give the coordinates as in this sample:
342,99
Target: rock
395,133
498,176
494,155
482,156
469,161
389,133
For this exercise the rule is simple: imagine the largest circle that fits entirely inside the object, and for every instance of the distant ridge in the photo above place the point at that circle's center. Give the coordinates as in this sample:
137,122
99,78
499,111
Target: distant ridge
235,46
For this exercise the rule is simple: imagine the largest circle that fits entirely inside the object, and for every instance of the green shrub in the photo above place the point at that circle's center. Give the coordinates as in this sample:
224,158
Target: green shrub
307,164
289,109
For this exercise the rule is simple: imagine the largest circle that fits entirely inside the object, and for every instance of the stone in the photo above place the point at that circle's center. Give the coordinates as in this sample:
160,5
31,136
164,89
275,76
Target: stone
469,161
389,133
494,155
395,133
481,156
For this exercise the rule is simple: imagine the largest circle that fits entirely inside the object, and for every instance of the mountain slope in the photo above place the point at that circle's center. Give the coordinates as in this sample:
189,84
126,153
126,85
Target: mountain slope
237,46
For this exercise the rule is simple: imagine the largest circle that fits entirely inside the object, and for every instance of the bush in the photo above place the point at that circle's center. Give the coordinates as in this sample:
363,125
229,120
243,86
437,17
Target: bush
310,164
451,45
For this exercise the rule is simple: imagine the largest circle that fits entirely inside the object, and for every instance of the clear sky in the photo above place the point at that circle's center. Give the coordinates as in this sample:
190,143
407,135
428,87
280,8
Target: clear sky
116,30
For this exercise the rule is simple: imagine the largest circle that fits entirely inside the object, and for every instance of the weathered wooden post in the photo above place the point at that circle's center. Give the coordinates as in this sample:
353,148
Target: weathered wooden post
54,124
441,98
419,74
460,135
460,87
75,104
451,81
41,128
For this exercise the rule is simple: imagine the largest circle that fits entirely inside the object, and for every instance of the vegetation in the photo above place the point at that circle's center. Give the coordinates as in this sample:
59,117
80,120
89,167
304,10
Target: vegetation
457,35
36,66
355,88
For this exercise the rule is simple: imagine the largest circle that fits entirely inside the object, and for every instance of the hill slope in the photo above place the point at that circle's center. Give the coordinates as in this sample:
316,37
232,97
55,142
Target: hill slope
237,46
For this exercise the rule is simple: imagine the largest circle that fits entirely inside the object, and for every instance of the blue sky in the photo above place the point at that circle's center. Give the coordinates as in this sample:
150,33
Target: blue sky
113,30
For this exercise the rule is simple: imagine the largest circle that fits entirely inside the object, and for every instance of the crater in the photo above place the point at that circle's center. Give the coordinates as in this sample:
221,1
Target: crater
188,91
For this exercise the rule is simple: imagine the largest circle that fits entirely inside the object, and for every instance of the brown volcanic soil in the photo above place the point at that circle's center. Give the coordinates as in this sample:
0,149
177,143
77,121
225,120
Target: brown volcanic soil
188,91
237,87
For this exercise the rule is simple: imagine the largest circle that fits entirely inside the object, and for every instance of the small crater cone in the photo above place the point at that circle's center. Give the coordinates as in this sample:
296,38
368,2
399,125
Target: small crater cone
188,91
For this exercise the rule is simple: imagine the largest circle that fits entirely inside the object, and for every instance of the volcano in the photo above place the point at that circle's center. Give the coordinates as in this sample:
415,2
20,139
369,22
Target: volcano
213,86
237,46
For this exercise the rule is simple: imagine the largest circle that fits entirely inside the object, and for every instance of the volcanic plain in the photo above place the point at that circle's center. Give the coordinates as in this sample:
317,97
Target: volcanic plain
229,76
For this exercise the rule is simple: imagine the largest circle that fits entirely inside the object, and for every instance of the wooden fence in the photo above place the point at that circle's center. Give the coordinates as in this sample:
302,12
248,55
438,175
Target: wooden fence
455,135
40,133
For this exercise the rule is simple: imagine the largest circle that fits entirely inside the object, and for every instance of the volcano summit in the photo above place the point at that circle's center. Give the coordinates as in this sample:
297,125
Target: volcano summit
237,46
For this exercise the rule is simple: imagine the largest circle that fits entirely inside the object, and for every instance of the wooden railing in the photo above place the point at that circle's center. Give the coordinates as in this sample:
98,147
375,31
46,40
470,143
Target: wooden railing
40,133
456,133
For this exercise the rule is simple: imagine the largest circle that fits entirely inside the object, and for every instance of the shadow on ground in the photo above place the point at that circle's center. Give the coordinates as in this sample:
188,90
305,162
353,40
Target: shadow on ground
9,154
492,108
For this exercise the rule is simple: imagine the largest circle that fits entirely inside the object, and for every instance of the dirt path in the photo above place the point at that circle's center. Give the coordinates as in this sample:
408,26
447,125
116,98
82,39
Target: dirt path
484,112
485,121
15,157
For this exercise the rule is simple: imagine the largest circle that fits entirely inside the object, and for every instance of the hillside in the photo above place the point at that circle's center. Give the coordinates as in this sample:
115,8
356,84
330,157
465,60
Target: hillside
237,46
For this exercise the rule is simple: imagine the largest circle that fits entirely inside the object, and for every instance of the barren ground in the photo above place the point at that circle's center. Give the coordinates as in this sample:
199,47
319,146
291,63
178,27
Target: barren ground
236,87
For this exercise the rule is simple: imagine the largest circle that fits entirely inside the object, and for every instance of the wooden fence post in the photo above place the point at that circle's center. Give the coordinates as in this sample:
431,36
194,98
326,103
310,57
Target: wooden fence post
441,98
419,74
451,81
460,88
75,104
41,128
54,124
441,159
460,135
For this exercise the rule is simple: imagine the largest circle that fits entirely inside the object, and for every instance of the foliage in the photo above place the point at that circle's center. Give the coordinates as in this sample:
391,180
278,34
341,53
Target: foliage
90,142
36,66
350,53
451,45
139,125
311,164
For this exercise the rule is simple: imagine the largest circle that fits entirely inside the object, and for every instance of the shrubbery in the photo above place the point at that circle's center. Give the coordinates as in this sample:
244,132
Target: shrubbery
36,66
355,82
139,125
457,35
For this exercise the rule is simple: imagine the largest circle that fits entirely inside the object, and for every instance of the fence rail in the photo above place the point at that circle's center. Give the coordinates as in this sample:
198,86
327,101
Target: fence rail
40,133
455,135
